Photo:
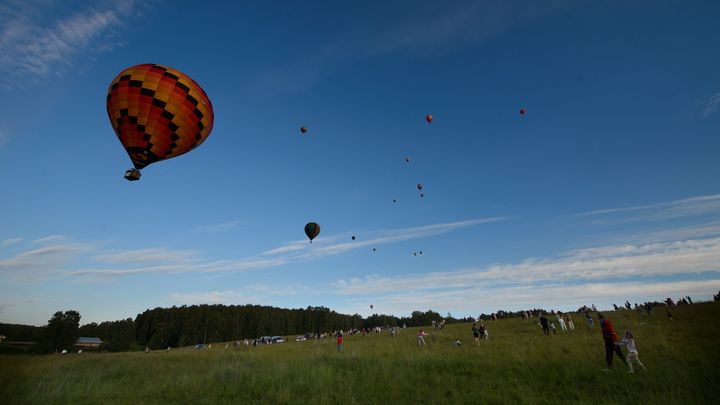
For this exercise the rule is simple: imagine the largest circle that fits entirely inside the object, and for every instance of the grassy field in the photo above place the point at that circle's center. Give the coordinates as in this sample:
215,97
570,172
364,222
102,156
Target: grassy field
518,364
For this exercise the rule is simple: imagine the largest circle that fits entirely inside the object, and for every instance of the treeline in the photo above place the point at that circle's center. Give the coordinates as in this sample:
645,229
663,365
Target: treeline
160,328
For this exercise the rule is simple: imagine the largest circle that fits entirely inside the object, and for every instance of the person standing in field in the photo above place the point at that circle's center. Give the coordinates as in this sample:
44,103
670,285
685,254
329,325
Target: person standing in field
629,341
544,324
612,344
561,321
339,335
421,338
589,319
483,331
569,322
476,333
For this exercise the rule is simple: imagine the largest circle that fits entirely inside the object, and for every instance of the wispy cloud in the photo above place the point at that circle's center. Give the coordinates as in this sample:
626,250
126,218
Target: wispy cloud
376,238
712,104
692,206
221,227
32,48
255,294
49,239
621,262
12,241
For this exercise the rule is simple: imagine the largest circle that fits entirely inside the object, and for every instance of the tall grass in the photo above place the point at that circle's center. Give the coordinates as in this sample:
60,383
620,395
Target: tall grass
518,364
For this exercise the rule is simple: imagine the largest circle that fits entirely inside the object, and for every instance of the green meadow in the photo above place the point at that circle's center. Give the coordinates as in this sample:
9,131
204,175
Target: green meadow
518,365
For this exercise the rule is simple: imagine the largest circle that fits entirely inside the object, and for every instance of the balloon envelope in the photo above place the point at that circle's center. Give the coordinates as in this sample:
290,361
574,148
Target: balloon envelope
312,230
428,118
303,130
158,113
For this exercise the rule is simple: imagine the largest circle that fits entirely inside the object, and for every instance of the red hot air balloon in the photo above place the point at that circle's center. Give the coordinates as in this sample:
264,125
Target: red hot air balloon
522,111
429,118
157,113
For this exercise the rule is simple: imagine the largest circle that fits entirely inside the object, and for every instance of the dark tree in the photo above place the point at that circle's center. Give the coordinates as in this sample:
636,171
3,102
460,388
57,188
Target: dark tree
61,332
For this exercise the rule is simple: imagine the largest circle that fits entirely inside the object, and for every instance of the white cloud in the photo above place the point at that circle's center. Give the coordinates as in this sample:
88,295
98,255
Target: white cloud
12,241
50,239
32,49
700,205
221,227
712,104
326,247
255,294
567,279
473,301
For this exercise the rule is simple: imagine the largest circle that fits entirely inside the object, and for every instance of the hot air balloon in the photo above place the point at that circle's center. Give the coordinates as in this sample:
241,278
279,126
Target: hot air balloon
303,130
312,230
422,195
371,306
407,159
522,111
353,238
419,186
394,201
157,113
373,249
421,253
428,118
414,253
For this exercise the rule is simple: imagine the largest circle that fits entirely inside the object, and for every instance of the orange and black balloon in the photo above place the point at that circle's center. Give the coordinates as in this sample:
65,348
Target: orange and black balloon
312,230
157,113
428,118
303,130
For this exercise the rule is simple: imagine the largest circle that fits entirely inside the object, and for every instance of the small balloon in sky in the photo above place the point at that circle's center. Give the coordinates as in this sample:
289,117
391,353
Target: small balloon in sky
373,249
419,186
522,111
422,195
429,118
353,237
303,130
312,230
371,306
407,159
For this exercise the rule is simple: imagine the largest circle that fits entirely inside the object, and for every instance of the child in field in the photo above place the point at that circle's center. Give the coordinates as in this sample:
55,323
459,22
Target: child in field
457,342
569,322
552,326
339,335
421,338
629,342
476,333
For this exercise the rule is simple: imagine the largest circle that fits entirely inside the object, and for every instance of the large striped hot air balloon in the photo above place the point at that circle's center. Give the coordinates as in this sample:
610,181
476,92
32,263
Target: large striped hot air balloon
157,113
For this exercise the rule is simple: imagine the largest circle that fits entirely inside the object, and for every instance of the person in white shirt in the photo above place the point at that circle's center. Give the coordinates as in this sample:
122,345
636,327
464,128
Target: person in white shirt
561,321
629,342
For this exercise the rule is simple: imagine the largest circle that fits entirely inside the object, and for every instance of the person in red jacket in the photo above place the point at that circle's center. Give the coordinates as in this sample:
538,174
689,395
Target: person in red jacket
612,343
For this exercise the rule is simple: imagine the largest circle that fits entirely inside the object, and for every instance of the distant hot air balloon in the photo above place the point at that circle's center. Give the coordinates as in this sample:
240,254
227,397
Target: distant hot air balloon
373,249
428,118
303,130
422,195
394,201
371,306
421,253
157,113
312,230
414,253
522,111
407,159
353,238
419,186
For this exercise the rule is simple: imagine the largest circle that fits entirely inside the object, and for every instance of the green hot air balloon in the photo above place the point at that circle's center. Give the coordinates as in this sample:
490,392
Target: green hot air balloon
312,230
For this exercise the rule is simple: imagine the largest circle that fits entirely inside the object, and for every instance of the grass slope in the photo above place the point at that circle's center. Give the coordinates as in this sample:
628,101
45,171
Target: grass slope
518,364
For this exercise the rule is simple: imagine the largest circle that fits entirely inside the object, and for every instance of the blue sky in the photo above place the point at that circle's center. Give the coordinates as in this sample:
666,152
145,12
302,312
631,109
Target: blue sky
605,190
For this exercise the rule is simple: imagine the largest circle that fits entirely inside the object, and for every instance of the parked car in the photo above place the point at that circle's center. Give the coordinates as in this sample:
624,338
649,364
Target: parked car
277,339
300,339
200,347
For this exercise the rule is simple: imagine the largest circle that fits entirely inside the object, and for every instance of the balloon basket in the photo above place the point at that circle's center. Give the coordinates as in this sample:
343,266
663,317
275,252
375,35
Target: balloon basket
132,175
